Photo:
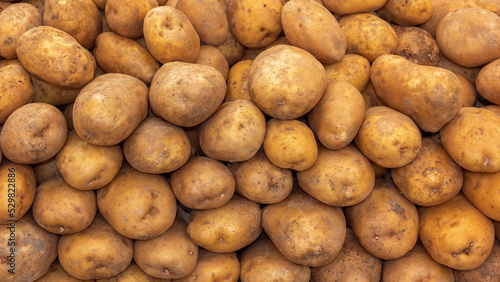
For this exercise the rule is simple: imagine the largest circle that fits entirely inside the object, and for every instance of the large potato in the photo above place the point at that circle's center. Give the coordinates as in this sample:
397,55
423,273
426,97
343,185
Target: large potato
214,267
127,17
353,6
16,88
417,45
488,82
489,271
483,191
56,57
17,190
404,12
352,68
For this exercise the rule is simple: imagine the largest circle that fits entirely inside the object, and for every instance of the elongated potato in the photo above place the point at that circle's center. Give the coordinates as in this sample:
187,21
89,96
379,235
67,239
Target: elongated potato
488,82
16,88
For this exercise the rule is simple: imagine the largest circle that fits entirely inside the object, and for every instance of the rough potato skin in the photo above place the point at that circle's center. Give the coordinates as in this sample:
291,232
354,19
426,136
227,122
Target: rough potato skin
488,82
417,45
127,17
489,271
16,88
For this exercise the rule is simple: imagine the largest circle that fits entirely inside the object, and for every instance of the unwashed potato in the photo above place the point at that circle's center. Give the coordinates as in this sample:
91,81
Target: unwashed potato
337,117
29,256
468,91
133,273
468,73
16,88
214,267
57,274
352,68
137,205
353,6
368,35
489,271
62,209
49,93
456,234
482,190
79,18
353,263
15,20
417,45
45,170
262,261
96,252
171,255
127,17
488,82
237,82
170,36
56,57
404,12
252,53
304,230
232,49
212,56
4,5
17,190
33,133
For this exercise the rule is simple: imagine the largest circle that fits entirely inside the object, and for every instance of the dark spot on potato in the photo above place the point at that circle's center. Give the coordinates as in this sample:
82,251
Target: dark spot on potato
395,207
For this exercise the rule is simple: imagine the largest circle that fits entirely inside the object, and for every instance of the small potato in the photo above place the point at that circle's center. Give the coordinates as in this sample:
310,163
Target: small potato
127,17
352,264
388,138
352,68
17,190
132,273
262,261
232,49
471,139
468,73
304,230
212,56
482,190
62,209
432,178
404,12
49,93
386,223
260,181
456,234
468,91
170,36
33,133
68,115
214,267
45,170
488,82
336,118
417,45
290,144
234,133
312,27
203,183
489,271
353,6
171,255
208,19
368,35
137,205
15,20
57,274
228,228
237,82
96,252
16,88
252,53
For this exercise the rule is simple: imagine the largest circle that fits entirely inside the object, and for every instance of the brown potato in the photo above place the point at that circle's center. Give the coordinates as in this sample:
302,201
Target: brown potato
353,6
371,98
214,267
18,186
68,115
304,230
228,228
353,263
132,273
497,229
336,118
212,56
489,271
100,4
45,170
352,68
127,17
417,45
404,12
237,82
456,234
468,73
7,62
49,93
488,82
493,108
62,209
386,223
232,49
481,189
57,274
137,205
468,91
16,88
4,5
252,53
440,8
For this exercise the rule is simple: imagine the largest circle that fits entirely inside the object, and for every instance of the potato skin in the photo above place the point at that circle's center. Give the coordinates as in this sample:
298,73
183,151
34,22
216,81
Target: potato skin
232,49
417,45
20,180
353,6
488,271
468,73
404,12
237,82
127,17
212,56
57,274
481,189
214,267
352,68
16,88
488,82
51,94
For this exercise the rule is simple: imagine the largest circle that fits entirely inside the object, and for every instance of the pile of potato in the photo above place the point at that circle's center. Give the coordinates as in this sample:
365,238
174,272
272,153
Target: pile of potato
249,140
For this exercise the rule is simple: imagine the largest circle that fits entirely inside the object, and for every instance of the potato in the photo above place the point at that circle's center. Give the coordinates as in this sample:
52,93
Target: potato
56,57
488,82
471,139
109,108
49,93
336,118
262,261
290,144
212,56
157,146
468,73
62,209
481,189
186,94
203,183
456,234
33,133
7,62
304,230
489,271
476,28
352,68
353,6
57,274
232,49
96,252
368,35
228,228
45,170
286,82
404,12
468,91
497,229
493,108
237,82
430,96
416,265
68,115
208,19
432,178
137,205
214,267
312,27
79,18
417,45
388,138
234,133
255,23
15,20
353,263
115,53
18,186
132,273
386,223
30,254
16,88
127,17
252,53
170,36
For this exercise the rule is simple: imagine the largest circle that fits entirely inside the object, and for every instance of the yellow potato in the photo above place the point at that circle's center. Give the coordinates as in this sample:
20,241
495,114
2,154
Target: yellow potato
16,88
17,190
127,17
493,108
214,267
481,189
488,82
132,273
212,56
489,270
57,274
353,6
468,73
417,45
352,68
49,93
232,49
237,82
404,12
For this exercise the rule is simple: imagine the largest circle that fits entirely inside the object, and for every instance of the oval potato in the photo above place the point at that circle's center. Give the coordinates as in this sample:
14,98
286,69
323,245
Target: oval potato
127,17
16,88
488,82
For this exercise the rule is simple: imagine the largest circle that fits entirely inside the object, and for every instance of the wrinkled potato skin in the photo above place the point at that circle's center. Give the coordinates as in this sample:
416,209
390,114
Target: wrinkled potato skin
352,264
214,267
237,82
57,274
488,82
212,56
16,88
353,6
368,35
312,27
127,17
456,234
51,94
404,12
15,20
468,73
417,45
489,271
481,189
24,187
352,68
430,96
336,118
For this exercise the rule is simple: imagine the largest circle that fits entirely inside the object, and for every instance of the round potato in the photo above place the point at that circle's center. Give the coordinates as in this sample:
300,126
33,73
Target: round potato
57,274
404,12
33,133
352,68
16,88
488,271
482,190
212,56
127,17
17,190
488,82
15,20
214,267
417,45
353,6
237,82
